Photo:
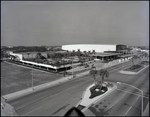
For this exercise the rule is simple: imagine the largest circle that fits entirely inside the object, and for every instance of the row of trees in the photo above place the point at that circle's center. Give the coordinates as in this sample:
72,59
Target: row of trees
102,73
57,60
98,87
68,54
26,48
140,57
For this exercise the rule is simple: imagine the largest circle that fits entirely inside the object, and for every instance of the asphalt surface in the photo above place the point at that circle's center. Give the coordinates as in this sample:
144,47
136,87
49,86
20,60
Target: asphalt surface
124,101
59,99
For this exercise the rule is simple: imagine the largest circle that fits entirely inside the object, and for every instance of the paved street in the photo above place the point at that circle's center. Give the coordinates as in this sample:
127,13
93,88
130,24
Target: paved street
60,58
58,99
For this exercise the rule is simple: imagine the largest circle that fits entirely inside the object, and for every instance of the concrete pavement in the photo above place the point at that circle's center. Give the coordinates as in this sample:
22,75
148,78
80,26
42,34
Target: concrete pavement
18,94
146,111
6,109
15,95
58,99
117,103
133,73
86,101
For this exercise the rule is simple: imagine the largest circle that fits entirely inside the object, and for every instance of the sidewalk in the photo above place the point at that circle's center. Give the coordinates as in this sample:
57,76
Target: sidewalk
10,110
146,111
7,110
18,94
15,95
133,73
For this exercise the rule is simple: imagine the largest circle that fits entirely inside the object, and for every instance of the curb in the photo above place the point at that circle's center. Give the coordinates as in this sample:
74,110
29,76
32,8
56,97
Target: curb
7,109
87,72
133,73
25,92
99,97
146,111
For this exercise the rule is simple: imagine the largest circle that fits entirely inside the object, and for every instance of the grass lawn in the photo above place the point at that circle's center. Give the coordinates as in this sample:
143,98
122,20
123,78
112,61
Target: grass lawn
15,78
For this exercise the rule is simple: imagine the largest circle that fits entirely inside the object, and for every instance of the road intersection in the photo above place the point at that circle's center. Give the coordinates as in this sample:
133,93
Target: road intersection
59,99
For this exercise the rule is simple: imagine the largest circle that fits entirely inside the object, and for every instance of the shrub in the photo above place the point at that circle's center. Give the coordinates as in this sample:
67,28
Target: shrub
95,93
135,67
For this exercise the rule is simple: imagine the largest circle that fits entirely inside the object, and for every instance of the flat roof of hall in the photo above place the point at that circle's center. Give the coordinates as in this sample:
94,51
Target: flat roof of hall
105,54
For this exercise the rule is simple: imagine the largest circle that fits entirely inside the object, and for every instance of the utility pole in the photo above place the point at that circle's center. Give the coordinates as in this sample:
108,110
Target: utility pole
32,80
72,67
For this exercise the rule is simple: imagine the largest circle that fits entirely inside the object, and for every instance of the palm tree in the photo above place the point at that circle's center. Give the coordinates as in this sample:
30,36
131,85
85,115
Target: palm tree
145,56
63,62
79,53
93,72
134,57
89,52
39,58
28,54
73,53
48,55
68,54
85,53
148,57
93,52
38,55
138,58
129,50
103,73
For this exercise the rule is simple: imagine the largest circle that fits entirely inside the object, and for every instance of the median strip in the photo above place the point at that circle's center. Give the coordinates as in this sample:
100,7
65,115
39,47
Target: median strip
19,94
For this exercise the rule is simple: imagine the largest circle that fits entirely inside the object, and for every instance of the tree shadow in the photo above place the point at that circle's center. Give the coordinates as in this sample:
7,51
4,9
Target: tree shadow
94,92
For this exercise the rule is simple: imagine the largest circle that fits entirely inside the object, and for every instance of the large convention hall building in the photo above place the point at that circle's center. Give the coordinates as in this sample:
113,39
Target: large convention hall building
103,51
91,47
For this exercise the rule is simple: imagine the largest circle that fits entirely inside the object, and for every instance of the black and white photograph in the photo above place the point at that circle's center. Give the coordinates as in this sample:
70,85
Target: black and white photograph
75,58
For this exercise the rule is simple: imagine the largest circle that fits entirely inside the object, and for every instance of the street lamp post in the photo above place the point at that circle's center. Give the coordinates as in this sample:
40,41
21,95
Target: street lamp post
137,89
122,66
32,79
72,67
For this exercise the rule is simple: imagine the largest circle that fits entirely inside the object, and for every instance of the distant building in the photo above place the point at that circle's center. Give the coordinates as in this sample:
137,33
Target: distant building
103,51
89,47
96,47
121,47
17,56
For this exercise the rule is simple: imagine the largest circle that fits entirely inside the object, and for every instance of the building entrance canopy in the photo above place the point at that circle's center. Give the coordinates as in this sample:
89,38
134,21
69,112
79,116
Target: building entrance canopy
106,56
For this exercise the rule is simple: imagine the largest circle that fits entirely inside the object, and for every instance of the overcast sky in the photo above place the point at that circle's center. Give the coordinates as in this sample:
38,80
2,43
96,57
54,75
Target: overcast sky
36,23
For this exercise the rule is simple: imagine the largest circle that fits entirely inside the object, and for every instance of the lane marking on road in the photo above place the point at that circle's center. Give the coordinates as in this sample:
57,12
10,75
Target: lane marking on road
113,104
44,98
21,107
32,111
145,91
15,102
128,110
137,98
132,93
40,93
116,101
120,68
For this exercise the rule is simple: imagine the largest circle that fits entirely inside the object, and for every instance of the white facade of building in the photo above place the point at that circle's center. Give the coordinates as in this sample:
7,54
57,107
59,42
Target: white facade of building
89,47
19,56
